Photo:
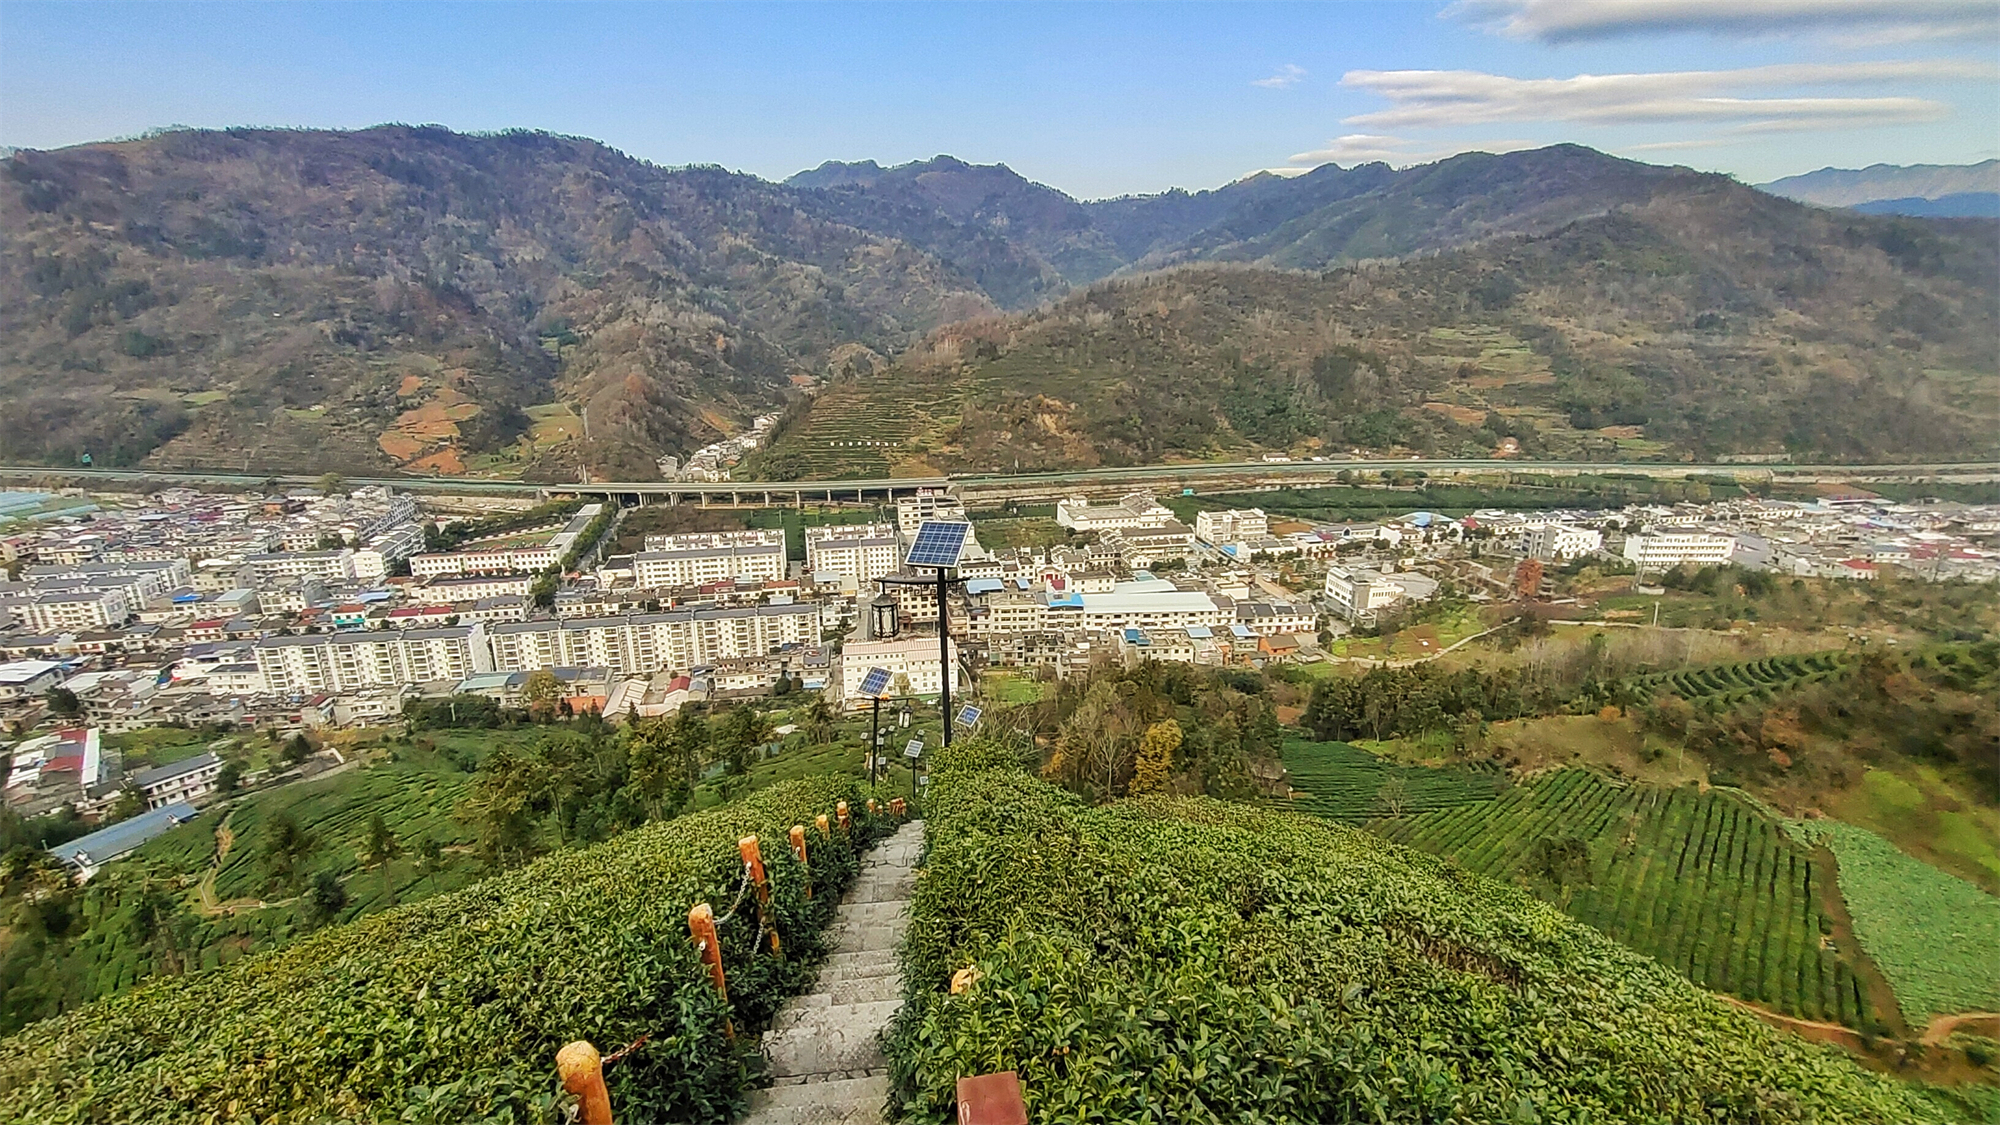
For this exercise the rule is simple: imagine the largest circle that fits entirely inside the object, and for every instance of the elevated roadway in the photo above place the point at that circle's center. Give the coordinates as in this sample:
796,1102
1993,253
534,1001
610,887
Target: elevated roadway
979,488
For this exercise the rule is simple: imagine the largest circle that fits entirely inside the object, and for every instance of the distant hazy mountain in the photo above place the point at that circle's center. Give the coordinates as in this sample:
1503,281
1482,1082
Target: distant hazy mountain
1958,205
1848,187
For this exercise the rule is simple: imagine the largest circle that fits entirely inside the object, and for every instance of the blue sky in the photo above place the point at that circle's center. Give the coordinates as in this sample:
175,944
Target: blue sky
1096,99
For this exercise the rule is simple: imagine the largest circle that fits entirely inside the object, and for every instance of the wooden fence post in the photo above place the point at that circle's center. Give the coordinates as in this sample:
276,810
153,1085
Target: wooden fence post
896,807
798,835
582,1071
873,809
755,859
840,810
701,926
820,823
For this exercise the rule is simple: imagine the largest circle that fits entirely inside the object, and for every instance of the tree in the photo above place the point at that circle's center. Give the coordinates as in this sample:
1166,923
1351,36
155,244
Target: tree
742,730
819,720
228,777
325,899
286,846
430,859
1154,769
130,803
1394,795
63,703
506,795
541,692
662,768
159,921
332,485
296,749
379,848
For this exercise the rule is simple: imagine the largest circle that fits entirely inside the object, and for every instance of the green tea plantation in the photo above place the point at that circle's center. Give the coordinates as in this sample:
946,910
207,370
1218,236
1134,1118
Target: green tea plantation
451,1009
1196,961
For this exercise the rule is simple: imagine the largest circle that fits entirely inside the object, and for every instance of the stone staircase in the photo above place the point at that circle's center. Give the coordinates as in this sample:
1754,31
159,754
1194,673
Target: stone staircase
824,1049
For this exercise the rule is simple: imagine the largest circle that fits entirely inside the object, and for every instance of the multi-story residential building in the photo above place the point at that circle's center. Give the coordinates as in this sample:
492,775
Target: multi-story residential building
1359,595
859,553
927,504
1142,544
141,579
691,560
327,566
448,588
645,643
1561,542
345,662
1135,510
1142,604
1275,619
69,611
1234,526
1664,551
185,780
530,559
385,549
913,667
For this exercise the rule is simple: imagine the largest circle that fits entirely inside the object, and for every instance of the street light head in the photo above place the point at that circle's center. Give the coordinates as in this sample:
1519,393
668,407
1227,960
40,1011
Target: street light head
903,716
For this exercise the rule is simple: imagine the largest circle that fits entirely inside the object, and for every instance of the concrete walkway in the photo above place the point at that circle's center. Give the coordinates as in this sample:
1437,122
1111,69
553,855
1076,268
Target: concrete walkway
825,1048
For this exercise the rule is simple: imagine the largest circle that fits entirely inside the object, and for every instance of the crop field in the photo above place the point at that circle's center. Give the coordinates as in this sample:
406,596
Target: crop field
1705,882
1935,936
863,427
1202,961
1729,684
1336,781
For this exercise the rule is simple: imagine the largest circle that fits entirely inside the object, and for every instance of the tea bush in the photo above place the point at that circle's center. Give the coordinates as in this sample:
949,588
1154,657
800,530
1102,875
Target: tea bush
451,1009
1195,961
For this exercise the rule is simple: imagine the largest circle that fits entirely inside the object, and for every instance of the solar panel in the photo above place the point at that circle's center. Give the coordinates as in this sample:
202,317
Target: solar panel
914,748
968,717
939,543
877,681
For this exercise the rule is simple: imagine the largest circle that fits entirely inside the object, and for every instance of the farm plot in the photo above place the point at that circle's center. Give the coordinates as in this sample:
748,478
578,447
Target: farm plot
1728,684
1335,781
1935,936
1704,882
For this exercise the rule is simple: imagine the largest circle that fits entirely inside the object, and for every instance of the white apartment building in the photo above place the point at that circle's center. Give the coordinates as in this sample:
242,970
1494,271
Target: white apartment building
530,559
328,566
347,662
912,665
179,781
1233,526
1561,542
691,560
1666,550
927,504
141,580
71,611
385,549
448,588
1135,510
1358,595
1141,604
642,644
859,553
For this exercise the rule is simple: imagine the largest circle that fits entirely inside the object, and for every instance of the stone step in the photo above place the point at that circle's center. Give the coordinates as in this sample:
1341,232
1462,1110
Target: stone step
827,1047
858,965
823,1009
846,1101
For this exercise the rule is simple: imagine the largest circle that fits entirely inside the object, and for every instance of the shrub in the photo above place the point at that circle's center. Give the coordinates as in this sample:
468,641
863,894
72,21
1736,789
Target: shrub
1195,961
451,1009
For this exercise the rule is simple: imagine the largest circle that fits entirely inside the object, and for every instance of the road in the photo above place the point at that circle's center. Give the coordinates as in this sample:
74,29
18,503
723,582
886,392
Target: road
1205,477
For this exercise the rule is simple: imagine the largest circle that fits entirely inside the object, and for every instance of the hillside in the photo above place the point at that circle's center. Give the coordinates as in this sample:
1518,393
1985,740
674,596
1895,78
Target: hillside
1195,960
399,296
1846,187
1708,319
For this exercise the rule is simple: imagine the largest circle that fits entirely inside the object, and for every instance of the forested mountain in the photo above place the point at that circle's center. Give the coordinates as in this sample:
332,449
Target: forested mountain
398,296
1709,319
528,304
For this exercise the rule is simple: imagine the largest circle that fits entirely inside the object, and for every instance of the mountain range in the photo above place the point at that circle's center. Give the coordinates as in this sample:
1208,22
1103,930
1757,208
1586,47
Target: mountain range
1928,190
534,305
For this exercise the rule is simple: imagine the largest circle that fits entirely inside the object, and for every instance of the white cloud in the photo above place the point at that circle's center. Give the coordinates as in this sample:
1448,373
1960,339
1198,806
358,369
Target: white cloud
1439,98
1366,148
1854,21
1287,75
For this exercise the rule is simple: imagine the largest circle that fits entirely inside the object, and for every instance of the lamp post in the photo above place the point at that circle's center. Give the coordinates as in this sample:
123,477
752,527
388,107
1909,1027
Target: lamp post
874,741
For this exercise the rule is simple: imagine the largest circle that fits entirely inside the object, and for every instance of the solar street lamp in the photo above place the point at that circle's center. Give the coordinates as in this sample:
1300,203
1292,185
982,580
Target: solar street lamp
938,546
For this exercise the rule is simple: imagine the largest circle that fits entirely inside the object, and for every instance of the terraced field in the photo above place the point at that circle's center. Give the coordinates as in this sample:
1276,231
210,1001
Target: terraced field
1705,882
1728,684
1335,781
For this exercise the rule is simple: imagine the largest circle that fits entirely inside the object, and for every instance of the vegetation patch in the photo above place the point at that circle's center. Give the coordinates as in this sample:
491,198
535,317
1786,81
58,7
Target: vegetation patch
1191,960
1933,935
452,1009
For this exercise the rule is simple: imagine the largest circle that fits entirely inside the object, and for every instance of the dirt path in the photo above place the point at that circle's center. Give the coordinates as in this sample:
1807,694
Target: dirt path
1974,1023
1882,1000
